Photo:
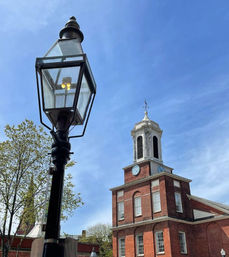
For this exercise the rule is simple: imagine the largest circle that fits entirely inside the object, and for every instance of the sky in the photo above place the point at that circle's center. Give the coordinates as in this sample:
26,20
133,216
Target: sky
174,54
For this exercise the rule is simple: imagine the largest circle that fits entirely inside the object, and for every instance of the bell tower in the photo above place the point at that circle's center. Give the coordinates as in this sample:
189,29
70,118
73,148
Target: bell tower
146,136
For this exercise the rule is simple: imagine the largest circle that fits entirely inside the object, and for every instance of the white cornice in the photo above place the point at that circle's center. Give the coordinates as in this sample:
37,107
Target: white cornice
154,176
166,218
147,160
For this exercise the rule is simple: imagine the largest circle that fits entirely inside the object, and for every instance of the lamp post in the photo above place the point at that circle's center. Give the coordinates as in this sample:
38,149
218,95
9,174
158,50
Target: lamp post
66,91
223,253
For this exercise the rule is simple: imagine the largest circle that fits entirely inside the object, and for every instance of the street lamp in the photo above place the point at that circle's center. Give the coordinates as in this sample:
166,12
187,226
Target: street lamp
223,253
66,91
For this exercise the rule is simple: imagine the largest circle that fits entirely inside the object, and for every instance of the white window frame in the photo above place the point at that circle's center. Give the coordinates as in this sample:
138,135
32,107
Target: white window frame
120,193
156,198
176,183
182,242
155,183
137,206
121,246
121,210
139,244
159,242
178,202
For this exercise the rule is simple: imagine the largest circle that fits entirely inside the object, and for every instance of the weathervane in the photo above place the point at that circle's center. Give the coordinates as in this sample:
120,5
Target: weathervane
146,106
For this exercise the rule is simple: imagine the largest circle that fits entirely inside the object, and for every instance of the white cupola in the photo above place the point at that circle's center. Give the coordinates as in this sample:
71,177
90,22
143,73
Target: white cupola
147,140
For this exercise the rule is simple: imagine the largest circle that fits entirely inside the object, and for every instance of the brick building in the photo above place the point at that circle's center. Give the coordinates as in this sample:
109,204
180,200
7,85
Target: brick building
154,213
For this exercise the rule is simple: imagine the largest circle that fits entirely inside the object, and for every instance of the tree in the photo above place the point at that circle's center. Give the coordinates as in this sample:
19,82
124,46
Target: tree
100,234
24,165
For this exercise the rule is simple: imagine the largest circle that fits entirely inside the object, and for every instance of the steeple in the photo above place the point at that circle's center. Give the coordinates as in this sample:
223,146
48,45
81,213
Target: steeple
28,217
147,139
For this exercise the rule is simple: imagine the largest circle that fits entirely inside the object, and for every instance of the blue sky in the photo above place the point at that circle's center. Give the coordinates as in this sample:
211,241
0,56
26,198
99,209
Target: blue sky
174,54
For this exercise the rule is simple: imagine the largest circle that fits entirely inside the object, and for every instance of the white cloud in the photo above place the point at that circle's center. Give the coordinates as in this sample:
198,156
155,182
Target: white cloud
208,166
26,15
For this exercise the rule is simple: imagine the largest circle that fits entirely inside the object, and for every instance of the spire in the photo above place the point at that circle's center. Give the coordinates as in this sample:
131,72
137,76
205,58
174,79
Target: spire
28,216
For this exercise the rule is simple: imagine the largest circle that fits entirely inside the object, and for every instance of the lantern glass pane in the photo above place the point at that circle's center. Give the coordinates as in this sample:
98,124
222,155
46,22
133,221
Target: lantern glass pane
59,87
65,47
84,97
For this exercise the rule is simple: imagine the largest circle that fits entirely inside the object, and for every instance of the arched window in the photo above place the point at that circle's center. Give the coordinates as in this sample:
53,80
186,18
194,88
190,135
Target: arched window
139,147
155,147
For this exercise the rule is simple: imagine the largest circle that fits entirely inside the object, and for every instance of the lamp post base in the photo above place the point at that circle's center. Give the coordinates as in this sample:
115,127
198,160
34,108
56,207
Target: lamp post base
67,247
53,250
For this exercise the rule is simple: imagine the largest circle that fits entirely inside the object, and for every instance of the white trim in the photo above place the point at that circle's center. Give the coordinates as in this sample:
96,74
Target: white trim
176,183
157,242
119,246
166,218
152,177
156,196
185,242
155,183
178,202
147,160
137,244
120,193
121,211
137,206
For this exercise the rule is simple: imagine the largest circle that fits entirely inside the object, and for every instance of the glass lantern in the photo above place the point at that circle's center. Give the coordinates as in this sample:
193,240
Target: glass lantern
65,82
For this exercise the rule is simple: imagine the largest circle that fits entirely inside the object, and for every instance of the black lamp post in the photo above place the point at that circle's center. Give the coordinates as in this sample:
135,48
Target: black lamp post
66,91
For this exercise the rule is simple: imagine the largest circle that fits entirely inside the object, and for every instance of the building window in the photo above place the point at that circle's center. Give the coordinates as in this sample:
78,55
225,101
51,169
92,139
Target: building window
155,183
156,201
176,183
155,147
139,147
159,242
137,206
182,240
121,245
120,210
178,202
120,193
139,245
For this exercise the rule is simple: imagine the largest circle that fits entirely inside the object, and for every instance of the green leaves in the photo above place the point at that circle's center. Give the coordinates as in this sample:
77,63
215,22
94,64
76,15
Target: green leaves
24,179
100,234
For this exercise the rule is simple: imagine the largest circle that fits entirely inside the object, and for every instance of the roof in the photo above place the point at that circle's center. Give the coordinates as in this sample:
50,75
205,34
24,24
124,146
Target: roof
218,206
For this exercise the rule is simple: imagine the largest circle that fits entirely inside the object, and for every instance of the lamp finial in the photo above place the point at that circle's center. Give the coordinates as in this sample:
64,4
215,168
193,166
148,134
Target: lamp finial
71,30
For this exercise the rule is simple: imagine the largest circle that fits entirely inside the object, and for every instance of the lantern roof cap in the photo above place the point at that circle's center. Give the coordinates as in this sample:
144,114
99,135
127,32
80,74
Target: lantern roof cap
146,122
71,30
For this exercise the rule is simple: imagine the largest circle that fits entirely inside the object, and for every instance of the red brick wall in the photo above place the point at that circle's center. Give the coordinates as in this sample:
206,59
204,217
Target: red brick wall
175,228
148,232
143,190
211,238
203,240
114,208
183,190
20,254
145,172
